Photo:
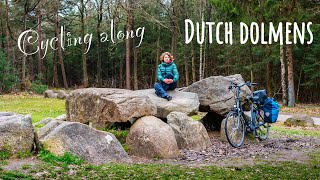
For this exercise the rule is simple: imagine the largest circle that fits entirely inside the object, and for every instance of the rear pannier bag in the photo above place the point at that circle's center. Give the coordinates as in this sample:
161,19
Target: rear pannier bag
271,110
261,94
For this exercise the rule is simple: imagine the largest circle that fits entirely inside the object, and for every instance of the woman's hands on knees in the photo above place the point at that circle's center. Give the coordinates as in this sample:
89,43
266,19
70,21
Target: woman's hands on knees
168,81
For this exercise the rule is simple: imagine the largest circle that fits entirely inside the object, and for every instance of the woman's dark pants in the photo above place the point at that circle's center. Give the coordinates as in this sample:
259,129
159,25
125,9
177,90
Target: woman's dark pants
162,87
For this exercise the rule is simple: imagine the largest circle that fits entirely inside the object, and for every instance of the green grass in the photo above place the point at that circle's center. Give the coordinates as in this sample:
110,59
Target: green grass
274,170
121,135
4,155
21,155
281,130
63,161
38,106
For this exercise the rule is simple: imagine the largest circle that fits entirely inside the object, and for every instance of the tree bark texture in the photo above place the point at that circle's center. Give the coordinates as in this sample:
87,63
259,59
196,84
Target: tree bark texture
55,69
128,26
157,54
40,62
63,72
193,65
283,76
84,58
99,64
175,25
291,94
135,55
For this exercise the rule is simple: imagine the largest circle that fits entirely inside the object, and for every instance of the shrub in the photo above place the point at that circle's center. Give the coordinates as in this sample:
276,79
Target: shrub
38,87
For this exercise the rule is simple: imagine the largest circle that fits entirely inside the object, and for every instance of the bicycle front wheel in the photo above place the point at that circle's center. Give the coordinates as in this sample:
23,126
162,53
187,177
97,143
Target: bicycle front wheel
262,127
235,129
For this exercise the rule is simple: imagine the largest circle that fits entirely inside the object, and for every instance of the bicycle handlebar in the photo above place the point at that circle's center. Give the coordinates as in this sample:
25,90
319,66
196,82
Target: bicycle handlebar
235,85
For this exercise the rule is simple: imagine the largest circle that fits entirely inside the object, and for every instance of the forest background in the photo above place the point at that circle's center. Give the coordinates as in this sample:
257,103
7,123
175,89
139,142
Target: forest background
290,73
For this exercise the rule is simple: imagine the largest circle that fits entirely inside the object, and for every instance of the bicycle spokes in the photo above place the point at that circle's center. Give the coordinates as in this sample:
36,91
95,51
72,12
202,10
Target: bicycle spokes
234,129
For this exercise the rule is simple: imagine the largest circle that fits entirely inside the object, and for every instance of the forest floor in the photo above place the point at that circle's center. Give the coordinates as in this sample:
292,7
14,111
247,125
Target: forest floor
289,153
293,150
284,144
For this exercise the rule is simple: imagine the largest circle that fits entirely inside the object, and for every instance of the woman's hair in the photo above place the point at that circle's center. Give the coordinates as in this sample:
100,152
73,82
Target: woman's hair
166,53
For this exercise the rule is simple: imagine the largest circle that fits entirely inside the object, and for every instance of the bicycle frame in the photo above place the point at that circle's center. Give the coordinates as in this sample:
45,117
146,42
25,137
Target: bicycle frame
241,124
254,110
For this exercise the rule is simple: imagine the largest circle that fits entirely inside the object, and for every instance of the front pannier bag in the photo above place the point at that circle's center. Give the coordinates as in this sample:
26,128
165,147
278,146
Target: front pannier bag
271,110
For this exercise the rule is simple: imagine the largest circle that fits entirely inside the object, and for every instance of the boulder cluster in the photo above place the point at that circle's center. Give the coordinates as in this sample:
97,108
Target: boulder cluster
159,128
60,94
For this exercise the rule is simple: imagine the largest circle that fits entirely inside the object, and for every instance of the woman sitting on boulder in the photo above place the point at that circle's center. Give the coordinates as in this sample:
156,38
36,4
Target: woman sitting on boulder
167,75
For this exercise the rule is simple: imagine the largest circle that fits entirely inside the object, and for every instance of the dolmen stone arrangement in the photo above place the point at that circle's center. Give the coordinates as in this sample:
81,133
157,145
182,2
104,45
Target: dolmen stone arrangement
159,128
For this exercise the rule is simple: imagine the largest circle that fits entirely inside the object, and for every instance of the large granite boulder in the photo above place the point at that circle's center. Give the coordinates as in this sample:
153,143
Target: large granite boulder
62,117
214,95
61,94
185,102
97,147
50,94
152,138
103,105
45,121
300,120
16,133
190,134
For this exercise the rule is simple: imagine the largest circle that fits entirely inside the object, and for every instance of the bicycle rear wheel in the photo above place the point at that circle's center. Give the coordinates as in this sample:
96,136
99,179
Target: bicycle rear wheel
235,129
262,127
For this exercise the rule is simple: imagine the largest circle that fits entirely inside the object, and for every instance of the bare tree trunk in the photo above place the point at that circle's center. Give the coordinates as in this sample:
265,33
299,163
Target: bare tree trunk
55,69
99,70
84,59
251,67
157,55
186,64
8,42
7,30
135,57
135,68
207,47
14,59
63,72
24,57
2,46
200,63
283,75
201,60
40,62
175,15
268,85
128,25
298,89
193,65
291,94
30,65
121,73
204,58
